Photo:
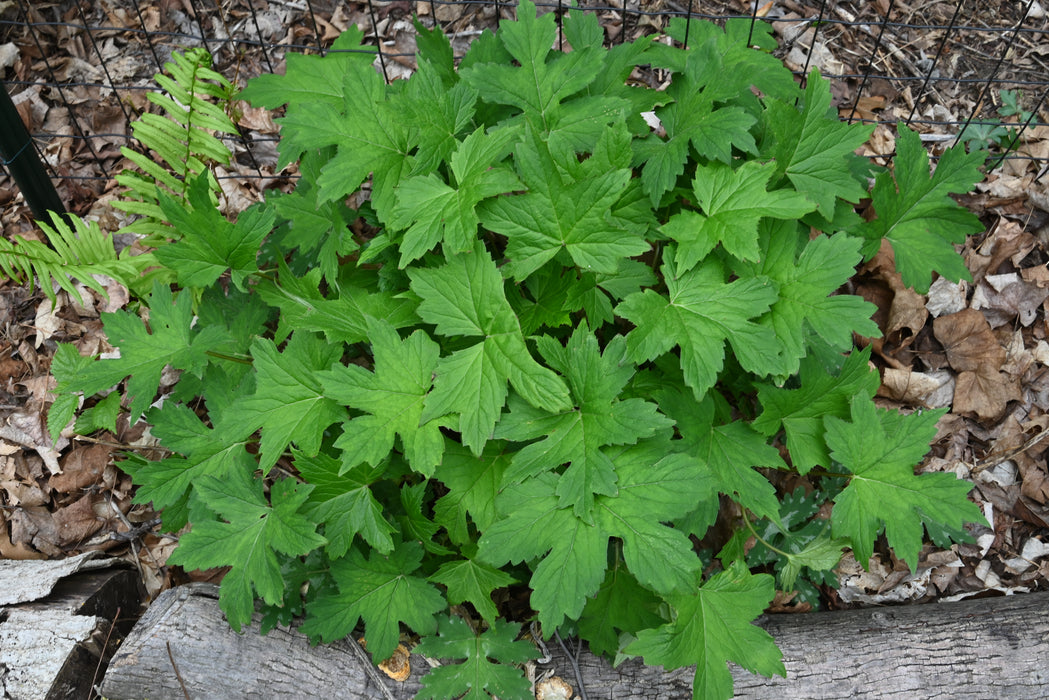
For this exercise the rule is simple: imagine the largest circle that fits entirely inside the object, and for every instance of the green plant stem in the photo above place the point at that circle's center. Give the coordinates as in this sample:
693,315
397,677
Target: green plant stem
761,539
231,358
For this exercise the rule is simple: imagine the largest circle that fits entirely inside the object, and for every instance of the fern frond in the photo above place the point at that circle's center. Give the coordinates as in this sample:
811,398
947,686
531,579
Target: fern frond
181,140
76,253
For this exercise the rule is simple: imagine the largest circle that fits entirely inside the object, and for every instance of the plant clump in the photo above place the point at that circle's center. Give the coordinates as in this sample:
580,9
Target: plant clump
548,345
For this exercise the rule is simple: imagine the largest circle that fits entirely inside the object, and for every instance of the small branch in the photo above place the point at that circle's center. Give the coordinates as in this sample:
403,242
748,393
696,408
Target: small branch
369,667
105,645
572,659
178,676
992,462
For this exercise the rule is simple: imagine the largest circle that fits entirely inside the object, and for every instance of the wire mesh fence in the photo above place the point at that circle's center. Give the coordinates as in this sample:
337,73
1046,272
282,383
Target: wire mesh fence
79,70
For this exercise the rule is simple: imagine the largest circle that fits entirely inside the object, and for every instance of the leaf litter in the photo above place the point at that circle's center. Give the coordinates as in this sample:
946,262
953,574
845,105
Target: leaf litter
980,347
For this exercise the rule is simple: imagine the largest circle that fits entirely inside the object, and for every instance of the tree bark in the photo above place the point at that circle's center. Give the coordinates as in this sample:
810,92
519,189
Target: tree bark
59,623
995,647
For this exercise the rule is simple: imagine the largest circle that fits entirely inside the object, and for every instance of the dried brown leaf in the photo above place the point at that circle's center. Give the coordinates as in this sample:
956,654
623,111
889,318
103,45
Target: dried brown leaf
985,393
83,467
968,340
1007,297
932,390
76,522
35,526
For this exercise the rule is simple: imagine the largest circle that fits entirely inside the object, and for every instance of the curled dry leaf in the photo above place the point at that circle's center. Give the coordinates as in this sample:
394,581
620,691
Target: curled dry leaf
555,688
81,467
946,297
77,522
967,338
985,393
930,389
397,666
908,312
1007,297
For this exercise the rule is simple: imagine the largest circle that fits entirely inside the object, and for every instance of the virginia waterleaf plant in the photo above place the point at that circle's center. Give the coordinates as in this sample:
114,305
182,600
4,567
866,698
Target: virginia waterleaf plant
547,347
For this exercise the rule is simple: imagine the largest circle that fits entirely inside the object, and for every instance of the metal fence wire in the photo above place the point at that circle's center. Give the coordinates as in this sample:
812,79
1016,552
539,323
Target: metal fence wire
79,70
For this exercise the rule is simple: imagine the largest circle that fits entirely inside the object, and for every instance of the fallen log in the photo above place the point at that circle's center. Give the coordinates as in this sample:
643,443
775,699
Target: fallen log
59,622
994,647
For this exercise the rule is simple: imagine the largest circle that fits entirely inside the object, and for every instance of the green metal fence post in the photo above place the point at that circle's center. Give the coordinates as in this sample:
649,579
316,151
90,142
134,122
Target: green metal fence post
21,160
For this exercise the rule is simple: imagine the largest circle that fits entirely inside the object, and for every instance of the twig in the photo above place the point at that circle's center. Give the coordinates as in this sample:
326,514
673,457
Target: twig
178,675
369,667
102,654
995,461
575,663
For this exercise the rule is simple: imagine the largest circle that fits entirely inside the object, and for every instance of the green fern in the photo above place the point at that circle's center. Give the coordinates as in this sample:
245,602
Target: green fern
75,253
181,139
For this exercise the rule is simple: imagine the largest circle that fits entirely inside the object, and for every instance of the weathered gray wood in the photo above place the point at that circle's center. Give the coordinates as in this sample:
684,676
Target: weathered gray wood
183,645
975,649
52,647
987,648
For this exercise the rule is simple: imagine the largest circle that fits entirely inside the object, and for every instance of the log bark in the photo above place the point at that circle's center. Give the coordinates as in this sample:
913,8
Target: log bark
995,647
60,622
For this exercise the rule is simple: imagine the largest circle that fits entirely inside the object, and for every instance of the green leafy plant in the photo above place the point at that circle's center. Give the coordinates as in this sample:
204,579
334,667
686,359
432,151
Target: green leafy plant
182,140
552,345
1003,134
76,251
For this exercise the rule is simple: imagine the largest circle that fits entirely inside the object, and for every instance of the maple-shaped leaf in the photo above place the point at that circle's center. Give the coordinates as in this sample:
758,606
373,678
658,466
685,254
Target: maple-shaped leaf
821,554
439,111
744,62
713,625
342,318
729,451
205,452
311,79
473,581
289,404
733,202
881,448
808,272
342,501
576,436
545,301
800,411
916,215
488,669
392,398
694,118
533,525
700,312
248,536
583,30
169,339
473,482
814,152
541,85
620,606
415,523
465,298
208,244
433,212
381,589
654,487
569,211
318,229
369,137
